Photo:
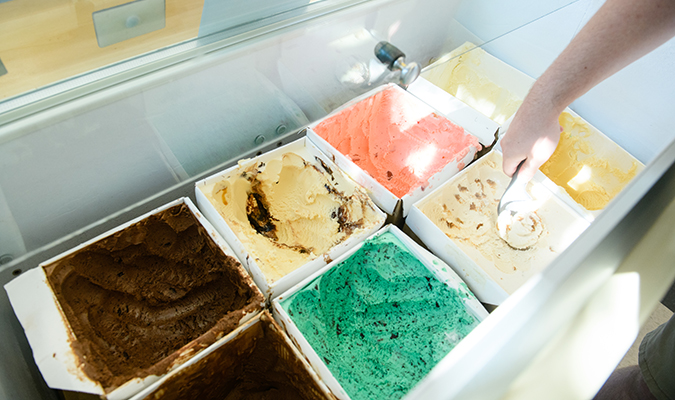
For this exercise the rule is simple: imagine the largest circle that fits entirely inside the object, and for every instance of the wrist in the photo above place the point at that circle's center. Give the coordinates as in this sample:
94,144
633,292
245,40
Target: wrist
540,106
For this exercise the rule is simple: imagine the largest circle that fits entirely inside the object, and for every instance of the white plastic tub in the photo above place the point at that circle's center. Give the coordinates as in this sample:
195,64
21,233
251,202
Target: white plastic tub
480,267
216,362
272,288
481,80
395,206
437,267
50,335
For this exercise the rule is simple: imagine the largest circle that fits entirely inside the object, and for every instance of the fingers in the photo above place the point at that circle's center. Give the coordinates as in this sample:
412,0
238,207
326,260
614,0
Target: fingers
510,163
513,152
528,169
532,141
533,155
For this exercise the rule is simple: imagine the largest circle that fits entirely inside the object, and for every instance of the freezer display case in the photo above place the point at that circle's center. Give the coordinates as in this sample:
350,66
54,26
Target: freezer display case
130,105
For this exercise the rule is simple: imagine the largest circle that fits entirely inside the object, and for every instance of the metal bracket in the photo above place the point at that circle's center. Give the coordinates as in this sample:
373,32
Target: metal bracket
394,59
126,21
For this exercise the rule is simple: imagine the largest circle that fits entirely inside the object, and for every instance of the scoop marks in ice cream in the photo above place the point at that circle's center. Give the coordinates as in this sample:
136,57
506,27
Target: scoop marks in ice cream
590,180
520,230
137,297
466,211
380,320
396,139
288,211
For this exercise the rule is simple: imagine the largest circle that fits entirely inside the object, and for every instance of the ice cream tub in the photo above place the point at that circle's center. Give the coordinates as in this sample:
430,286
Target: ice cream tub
481,80
395,145
458,222
114,314
257,357
287,213
376,320
587,169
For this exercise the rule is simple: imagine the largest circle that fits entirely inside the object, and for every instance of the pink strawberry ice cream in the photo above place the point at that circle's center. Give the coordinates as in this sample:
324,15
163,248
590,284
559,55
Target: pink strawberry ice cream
397,139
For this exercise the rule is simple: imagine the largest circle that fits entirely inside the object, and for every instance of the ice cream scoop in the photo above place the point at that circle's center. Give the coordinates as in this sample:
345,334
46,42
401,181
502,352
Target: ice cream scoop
515,198
465,210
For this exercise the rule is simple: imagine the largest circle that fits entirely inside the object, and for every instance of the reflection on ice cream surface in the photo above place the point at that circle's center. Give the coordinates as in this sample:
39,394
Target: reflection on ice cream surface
288,211
462,78
380,320
396,139
465,209
134,298
589,179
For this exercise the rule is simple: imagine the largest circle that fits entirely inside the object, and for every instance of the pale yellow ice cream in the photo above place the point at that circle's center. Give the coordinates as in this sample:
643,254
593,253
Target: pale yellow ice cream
462,78
590,177
291,210
465,209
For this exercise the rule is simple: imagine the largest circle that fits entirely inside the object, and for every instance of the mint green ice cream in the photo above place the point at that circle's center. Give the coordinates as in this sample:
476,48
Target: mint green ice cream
380,320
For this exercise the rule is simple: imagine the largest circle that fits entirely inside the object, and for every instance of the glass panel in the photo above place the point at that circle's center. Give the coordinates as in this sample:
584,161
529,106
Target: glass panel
46,42
80,162
43,43
118,134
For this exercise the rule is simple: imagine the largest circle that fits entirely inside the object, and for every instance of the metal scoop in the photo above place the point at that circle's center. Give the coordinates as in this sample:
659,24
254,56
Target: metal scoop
515,197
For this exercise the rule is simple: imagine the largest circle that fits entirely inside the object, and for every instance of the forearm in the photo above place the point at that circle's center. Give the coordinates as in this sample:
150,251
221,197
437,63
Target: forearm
620,32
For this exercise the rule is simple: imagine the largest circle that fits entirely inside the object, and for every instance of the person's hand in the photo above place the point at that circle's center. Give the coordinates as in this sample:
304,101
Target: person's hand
532,136
620,32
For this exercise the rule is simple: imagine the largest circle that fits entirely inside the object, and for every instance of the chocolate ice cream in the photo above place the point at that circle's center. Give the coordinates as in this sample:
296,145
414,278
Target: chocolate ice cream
150,296
258,364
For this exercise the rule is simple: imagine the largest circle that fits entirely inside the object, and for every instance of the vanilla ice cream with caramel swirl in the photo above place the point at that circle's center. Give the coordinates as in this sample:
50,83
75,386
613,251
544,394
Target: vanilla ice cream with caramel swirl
515,248
291,209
